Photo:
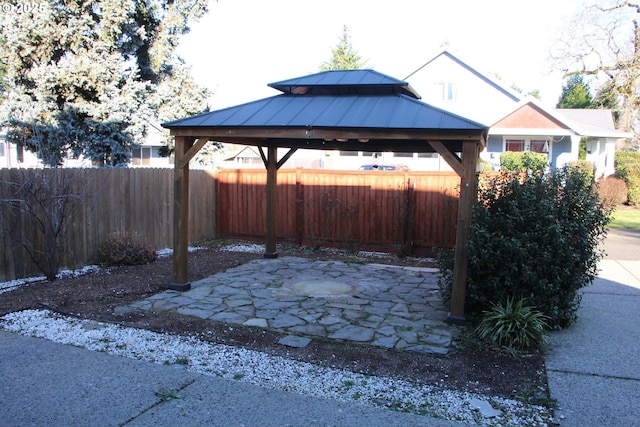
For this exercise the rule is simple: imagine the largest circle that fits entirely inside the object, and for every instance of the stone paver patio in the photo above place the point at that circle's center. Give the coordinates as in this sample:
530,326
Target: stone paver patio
381,305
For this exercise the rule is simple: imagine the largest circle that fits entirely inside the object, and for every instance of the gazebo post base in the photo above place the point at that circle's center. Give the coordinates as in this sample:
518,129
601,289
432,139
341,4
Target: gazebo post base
181,287
456,320
272,255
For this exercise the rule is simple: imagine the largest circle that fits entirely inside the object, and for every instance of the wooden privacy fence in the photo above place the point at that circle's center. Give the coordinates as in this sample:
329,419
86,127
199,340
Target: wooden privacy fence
102,202
403,212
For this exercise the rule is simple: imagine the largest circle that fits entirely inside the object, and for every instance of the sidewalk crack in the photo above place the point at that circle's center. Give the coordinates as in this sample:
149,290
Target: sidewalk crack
157,403
589,374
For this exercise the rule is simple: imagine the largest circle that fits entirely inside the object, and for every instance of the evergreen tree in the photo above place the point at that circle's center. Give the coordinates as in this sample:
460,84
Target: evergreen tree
85,78
575,94
344,57
607,97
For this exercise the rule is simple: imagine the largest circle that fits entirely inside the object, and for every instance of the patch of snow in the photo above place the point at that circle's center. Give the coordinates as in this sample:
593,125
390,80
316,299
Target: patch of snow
13,284
244,247
169,251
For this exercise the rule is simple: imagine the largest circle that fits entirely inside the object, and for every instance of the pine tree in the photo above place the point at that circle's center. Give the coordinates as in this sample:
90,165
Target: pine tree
85,78
575,94
344,57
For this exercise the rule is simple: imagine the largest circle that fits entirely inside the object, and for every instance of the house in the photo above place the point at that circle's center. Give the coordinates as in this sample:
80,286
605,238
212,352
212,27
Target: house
517,122
145,154
556,133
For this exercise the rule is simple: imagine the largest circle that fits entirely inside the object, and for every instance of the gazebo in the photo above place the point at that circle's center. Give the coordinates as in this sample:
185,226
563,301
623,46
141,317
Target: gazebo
349,110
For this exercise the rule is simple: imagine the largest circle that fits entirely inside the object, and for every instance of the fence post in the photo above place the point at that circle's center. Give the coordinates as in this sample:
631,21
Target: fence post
299,207
409,217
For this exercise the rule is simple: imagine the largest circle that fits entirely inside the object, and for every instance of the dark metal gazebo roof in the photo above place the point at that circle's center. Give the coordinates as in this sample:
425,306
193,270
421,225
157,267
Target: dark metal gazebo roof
362,101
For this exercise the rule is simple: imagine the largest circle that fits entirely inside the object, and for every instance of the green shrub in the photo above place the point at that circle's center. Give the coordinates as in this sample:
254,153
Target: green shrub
122,250
513,325
534,238
518,161
628,169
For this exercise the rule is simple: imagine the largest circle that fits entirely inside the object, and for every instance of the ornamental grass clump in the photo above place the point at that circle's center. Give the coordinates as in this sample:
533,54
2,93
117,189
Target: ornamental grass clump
514,325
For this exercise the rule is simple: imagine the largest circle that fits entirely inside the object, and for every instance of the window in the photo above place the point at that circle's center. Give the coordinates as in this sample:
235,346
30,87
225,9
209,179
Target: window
141,156
402,154
20,153
539,146
448,90
372,154
526,144
2,149
514,145
427,155
348,153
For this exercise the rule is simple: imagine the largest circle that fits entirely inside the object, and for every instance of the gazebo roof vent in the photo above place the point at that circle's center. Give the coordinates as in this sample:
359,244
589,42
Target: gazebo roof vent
345,82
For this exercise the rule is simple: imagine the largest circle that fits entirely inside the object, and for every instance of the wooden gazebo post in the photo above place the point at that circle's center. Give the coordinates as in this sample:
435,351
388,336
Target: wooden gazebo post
272,165
466,169
272,177
463,230
185,149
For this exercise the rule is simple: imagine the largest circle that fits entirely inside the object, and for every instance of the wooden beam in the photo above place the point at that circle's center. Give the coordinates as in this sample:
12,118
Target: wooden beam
470,151
224,134
181,215
272,177
286,157
453,160
263,157
193,150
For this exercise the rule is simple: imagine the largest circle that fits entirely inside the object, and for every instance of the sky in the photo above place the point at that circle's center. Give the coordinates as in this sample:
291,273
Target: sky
242,45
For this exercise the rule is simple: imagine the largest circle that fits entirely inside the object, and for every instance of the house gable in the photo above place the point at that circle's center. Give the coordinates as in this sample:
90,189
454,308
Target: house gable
448,83
529,117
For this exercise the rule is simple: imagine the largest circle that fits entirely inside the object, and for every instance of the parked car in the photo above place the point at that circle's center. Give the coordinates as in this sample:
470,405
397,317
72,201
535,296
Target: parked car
383,168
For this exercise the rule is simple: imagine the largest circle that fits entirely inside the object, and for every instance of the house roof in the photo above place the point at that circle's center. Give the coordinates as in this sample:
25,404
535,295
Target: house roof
531,118
592,122
361,104
247,151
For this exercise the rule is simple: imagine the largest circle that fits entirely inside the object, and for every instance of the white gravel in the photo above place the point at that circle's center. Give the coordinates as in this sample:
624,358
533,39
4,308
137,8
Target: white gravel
236,363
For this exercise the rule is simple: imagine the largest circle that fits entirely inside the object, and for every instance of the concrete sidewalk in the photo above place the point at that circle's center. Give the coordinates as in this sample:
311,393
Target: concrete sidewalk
48,384
593,366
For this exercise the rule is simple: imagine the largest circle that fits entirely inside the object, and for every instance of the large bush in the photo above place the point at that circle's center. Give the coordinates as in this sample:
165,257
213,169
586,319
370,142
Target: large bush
533,238
628,169
518,161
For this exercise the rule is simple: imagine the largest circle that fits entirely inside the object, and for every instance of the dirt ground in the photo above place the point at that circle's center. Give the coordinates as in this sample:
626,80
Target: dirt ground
95,296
